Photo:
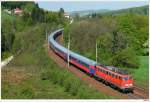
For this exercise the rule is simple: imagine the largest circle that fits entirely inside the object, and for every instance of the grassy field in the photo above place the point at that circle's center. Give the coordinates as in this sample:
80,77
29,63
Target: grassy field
141,74
33,75
19,85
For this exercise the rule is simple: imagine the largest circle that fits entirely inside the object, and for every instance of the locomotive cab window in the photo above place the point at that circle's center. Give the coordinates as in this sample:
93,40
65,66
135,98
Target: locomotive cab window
125,78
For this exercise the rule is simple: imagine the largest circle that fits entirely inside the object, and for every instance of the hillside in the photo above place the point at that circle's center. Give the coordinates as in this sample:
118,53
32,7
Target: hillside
143,10
87,12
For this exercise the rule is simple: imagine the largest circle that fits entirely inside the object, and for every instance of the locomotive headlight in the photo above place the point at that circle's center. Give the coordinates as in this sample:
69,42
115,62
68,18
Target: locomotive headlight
130,84
126,84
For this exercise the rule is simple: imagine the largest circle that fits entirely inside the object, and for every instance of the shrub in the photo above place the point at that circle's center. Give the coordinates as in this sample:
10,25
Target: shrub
125,58
75,85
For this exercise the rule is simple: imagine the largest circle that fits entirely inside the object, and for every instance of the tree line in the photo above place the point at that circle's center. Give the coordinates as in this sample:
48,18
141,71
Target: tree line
119,38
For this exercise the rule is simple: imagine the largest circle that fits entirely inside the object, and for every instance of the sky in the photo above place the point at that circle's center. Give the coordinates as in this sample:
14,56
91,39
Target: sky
69,6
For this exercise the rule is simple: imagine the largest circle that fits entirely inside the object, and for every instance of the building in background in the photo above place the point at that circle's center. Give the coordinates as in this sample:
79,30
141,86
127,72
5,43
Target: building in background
17,11
66,15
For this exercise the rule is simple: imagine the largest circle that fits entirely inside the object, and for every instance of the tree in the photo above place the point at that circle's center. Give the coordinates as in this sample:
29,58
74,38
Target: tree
38,14
61,12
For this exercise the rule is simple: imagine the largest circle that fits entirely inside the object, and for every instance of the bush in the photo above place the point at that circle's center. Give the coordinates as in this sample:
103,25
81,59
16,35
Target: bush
5,55
75,85
125,57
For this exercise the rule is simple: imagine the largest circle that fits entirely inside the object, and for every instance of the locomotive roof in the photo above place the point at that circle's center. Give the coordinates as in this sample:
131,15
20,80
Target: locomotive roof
63,49
117,70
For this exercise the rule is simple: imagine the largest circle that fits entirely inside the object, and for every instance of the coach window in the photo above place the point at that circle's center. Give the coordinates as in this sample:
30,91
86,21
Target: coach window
116,76
110,73
120,77
104,71
107,72
113,75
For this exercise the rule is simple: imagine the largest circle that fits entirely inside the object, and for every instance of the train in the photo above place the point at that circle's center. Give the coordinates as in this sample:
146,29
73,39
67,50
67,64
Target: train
110,75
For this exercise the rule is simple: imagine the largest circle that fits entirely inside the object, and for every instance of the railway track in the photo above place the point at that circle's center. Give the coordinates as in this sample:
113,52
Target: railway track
139,93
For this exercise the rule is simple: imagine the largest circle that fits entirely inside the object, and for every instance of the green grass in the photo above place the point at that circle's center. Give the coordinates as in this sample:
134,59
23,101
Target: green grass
33,88
141,74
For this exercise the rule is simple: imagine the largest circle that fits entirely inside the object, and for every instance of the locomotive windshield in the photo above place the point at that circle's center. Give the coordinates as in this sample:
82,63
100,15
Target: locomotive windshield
125,78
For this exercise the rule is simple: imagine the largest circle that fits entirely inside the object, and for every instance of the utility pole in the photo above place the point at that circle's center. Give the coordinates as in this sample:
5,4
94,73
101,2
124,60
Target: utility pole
62,36
96,51
47,40
46,34
68,48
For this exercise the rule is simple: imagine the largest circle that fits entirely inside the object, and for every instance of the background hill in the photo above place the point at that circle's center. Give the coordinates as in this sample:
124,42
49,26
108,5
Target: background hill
87,12
143,10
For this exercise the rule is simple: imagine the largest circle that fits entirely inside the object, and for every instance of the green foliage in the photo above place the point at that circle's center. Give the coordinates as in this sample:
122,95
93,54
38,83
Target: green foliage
5,55
61,12
136,32
125,58
13,5
37,14
120,39
8,31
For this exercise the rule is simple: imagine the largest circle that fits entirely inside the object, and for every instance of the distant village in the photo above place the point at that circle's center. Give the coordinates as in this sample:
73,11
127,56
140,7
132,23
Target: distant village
18,11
